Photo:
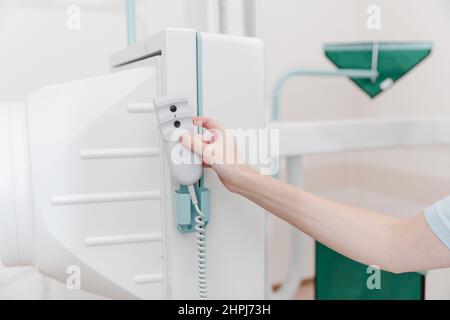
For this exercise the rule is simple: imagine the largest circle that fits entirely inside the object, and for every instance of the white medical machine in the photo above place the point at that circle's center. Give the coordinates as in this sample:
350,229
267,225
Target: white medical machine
86,187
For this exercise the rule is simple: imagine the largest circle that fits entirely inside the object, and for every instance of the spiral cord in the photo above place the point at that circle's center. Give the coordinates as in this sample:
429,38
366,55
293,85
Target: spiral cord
201,246
201,253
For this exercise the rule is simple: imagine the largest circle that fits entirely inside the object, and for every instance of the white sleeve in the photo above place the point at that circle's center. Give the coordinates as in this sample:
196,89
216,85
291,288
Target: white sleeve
438,218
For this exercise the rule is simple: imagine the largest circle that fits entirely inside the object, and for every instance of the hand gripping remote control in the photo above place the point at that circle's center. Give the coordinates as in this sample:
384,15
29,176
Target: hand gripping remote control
174,117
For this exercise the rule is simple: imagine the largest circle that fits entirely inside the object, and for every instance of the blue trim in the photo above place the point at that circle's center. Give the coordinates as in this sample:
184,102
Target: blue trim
131,22
199,74
199,68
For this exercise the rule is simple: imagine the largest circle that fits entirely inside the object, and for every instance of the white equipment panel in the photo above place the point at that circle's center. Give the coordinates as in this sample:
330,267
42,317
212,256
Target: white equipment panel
97,181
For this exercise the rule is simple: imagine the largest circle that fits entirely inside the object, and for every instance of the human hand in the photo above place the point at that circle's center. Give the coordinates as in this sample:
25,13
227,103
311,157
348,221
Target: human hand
218,150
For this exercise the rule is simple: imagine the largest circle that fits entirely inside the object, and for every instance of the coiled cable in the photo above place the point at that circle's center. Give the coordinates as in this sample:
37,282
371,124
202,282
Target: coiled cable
201,246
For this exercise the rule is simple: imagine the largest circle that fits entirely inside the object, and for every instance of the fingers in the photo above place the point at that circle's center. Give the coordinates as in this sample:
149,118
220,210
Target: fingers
207,123
215,134
208,136
193,142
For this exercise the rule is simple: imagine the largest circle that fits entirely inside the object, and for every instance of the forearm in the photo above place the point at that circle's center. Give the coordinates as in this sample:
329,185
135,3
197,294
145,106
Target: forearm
357,233
363,235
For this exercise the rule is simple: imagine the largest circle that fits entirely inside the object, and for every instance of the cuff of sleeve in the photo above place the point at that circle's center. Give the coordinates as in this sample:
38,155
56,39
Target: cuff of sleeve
438,224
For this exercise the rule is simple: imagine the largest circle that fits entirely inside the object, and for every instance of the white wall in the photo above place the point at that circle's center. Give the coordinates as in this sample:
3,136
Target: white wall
401,182
38,49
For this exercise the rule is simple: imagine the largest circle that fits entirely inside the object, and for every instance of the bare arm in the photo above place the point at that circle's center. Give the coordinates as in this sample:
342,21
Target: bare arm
396,245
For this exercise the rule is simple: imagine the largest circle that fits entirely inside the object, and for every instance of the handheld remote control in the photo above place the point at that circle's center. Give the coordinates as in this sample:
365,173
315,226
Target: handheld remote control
174,117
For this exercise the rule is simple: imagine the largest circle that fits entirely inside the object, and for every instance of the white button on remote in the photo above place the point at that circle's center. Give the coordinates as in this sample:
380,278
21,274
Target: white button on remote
174,115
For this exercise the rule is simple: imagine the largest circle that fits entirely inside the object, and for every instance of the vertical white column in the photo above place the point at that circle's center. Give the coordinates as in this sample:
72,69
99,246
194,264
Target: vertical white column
232,17
9,246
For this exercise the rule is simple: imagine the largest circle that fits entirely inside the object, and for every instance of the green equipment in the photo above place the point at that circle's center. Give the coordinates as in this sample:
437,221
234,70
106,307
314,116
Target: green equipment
392,60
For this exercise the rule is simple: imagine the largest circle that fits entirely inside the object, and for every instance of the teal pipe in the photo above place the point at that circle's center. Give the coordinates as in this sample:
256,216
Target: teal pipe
351,73
131,22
